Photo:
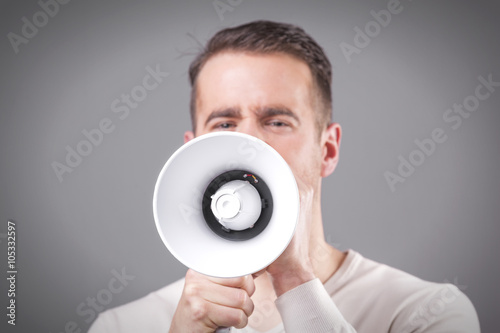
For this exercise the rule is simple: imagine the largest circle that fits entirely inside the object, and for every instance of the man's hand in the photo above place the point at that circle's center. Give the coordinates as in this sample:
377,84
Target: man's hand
208,303
294,266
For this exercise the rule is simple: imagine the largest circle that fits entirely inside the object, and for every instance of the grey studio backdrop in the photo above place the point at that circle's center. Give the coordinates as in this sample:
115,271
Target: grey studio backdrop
416,188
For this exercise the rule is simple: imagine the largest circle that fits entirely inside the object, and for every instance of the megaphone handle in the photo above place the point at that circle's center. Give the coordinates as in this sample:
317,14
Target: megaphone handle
223,330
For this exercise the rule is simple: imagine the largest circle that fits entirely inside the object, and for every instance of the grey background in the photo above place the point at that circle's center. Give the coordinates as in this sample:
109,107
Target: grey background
441,224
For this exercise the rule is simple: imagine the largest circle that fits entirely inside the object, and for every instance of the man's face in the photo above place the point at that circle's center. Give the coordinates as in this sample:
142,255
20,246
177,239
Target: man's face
266,96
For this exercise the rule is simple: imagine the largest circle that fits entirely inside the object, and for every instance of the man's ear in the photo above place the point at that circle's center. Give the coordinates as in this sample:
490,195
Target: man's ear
330,153
188,136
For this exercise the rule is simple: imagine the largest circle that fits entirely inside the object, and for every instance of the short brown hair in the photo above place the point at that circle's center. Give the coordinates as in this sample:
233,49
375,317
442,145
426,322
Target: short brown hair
271,37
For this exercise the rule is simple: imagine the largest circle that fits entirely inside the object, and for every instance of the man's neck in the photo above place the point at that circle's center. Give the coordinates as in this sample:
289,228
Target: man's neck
325,259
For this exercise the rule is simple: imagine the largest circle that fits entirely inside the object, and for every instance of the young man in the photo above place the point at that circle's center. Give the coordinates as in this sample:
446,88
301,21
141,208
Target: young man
273,81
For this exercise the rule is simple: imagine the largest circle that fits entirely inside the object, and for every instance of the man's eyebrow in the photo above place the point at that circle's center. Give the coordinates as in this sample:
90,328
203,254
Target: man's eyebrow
276,111
224,113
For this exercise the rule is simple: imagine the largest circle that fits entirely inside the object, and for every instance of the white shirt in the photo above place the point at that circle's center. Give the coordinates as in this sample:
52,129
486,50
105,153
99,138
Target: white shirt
362,296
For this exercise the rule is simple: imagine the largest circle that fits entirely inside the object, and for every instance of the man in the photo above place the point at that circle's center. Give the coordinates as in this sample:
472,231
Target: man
273,81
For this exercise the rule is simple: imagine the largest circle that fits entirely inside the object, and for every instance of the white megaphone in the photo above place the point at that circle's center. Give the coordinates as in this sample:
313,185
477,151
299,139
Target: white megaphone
226,204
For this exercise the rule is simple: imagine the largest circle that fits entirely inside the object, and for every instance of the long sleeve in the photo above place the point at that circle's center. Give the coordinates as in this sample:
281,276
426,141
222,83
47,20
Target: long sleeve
441,308
433,308
309,309
152,313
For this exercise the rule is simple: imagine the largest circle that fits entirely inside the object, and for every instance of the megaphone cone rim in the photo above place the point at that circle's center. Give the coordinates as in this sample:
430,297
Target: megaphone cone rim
186,146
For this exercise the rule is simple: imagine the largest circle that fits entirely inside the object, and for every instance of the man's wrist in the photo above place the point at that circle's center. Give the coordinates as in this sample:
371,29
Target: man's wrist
288,280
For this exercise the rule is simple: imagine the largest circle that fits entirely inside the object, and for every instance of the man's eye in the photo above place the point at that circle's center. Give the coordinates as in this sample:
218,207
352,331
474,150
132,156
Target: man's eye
224,125
277,123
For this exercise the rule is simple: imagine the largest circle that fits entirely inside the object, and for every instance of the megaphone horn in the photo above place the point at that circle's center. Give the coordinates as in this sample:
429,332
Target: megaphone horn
226,204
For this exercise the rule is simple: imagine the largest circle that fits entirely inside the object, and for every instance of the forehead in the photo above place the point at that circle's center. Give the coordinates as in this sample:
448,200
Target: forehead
249,80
